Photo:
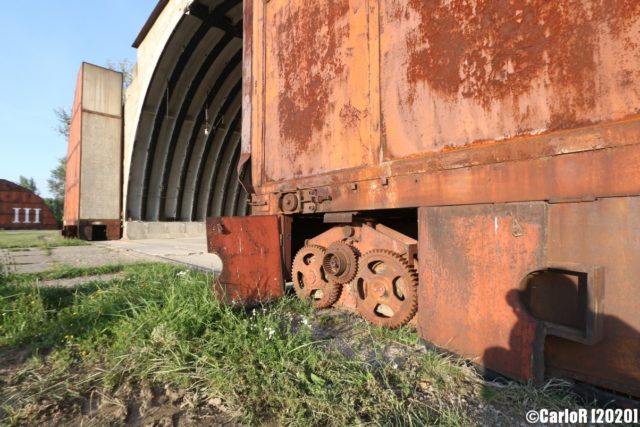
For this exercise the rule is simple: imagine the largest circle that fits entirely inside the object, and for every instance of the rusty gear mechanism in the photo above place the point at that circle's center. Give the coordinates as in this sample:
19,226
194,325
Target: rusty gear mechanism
386,289
340,262
309,278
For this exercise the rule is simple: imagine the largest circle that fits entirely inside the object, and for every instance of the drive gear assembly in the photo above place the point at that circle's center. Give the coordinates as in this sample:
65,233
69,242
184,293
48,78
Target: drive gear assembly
386,289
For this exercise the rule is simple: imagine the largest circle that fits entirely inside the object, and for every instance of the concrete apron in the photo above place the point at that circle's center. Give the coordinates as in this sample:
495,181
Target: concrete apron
191,251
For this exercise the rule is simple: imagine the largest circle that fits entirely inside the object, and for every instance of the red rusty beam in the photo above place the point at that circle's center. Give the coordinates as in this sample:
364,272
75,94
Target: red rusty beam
613,171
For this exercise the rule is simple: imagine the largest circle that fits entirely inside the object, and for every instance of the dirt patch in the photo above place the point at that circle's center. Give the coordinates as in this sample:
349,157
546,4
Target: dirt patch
136,405
129,405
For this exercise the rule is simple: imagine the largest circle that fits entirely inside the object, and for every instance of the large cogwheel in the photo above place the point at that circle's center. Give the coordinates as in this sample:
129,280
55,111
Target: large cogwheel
386,289
309,279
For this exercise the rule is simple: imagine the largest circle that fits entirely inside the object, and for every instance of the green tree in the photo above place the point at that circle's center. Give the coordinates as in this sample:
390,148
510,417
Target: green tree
64,121
57,179
29,184
56,205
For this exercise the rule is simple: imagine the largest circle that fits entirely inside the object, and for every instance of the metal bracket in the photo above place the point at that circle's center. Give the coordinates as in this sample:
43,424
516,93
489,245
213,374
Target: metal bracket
592,332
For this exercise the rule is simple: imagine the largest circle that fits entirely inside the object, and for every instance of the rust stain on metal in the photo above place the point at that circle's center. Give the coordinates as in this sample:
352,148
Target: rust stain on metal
309,38
484,70
488,50
602,233
251,257
469,259
317,69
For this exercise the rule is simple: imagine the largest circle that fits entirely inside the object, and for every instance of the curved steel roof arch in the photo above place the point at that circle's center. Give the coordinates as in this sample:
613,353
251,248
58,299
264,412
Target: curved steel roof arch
187,139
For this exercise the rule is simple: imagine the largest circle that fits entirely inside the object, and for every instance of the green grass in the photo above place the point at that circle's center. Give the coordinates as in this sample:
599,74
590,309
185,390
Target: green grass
44,239
58,273
159,325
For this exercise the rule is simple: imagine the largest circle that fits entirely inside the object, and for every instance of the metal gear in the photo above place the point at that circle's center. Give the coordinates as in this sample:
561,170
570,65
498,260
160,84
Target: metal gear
340,262
309,279
386,289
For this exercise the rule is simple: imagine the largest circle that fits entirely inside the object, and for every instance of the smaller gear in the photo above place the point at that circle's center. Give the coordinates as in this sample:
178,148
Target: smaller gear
340,262
386,289
309,279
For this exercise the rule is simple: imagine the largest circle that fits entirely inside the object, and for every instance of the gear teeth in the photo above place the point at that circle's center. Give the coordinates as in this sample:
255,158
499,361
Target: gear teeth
331,291
410,305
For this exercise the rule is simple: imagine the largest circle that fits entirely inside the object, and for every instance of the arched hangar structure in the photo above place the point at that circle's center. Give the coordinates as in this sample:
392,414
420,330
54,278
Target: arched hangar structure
183,118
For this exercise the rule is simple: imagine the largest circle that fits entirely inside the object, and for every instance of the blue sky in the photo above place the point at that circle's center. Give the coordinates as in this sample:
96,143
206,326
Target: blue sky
42,45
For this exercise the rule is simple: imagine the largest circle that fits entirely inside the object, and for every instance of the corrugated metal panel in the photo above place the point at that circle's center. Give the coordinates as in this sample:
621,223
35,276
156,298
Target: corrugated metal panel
188,136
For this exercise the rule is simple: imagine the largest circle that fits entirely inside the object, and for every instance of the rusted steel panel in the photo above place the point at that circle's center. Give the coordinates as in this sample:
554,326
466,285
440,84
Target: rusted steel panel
251,257
318,104
597,137
20,209
603,233
456,73
390,80
472,259
539,288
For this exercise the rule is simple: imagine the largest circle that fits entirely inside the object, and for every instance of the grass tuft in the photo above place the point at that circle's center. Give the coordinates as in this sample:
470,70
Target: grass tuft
280,363
16,240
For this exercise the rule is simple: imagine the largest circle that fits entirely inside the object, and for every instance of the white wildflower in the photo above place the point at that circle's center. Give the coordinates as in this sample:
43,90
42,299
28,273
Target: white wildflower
270,332
305,321
394,366
253,313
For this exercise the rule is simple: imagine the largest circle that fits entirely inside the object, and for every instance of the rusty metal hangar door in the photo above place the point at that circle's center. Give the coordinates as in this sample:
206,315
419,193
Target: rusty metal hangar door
187,141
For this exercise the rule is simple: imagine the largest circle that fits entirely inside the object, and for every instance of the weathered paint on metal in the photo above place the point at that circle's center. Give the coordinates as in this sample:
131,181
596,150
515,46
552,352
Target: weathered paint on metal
579,321
455,73
604,233
249,248
21,209
390,80
508,172
472,259
317,90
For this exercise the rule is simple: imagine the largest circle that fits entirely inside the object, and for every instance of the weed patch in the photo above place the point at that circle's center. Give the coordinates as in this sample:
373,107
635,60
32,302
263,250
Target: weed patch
158,329
35,239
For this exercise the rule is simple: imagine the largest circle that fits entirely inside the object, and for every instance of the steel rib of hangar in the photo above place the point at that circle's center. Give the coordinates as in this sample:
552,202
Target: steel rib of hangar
179,170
